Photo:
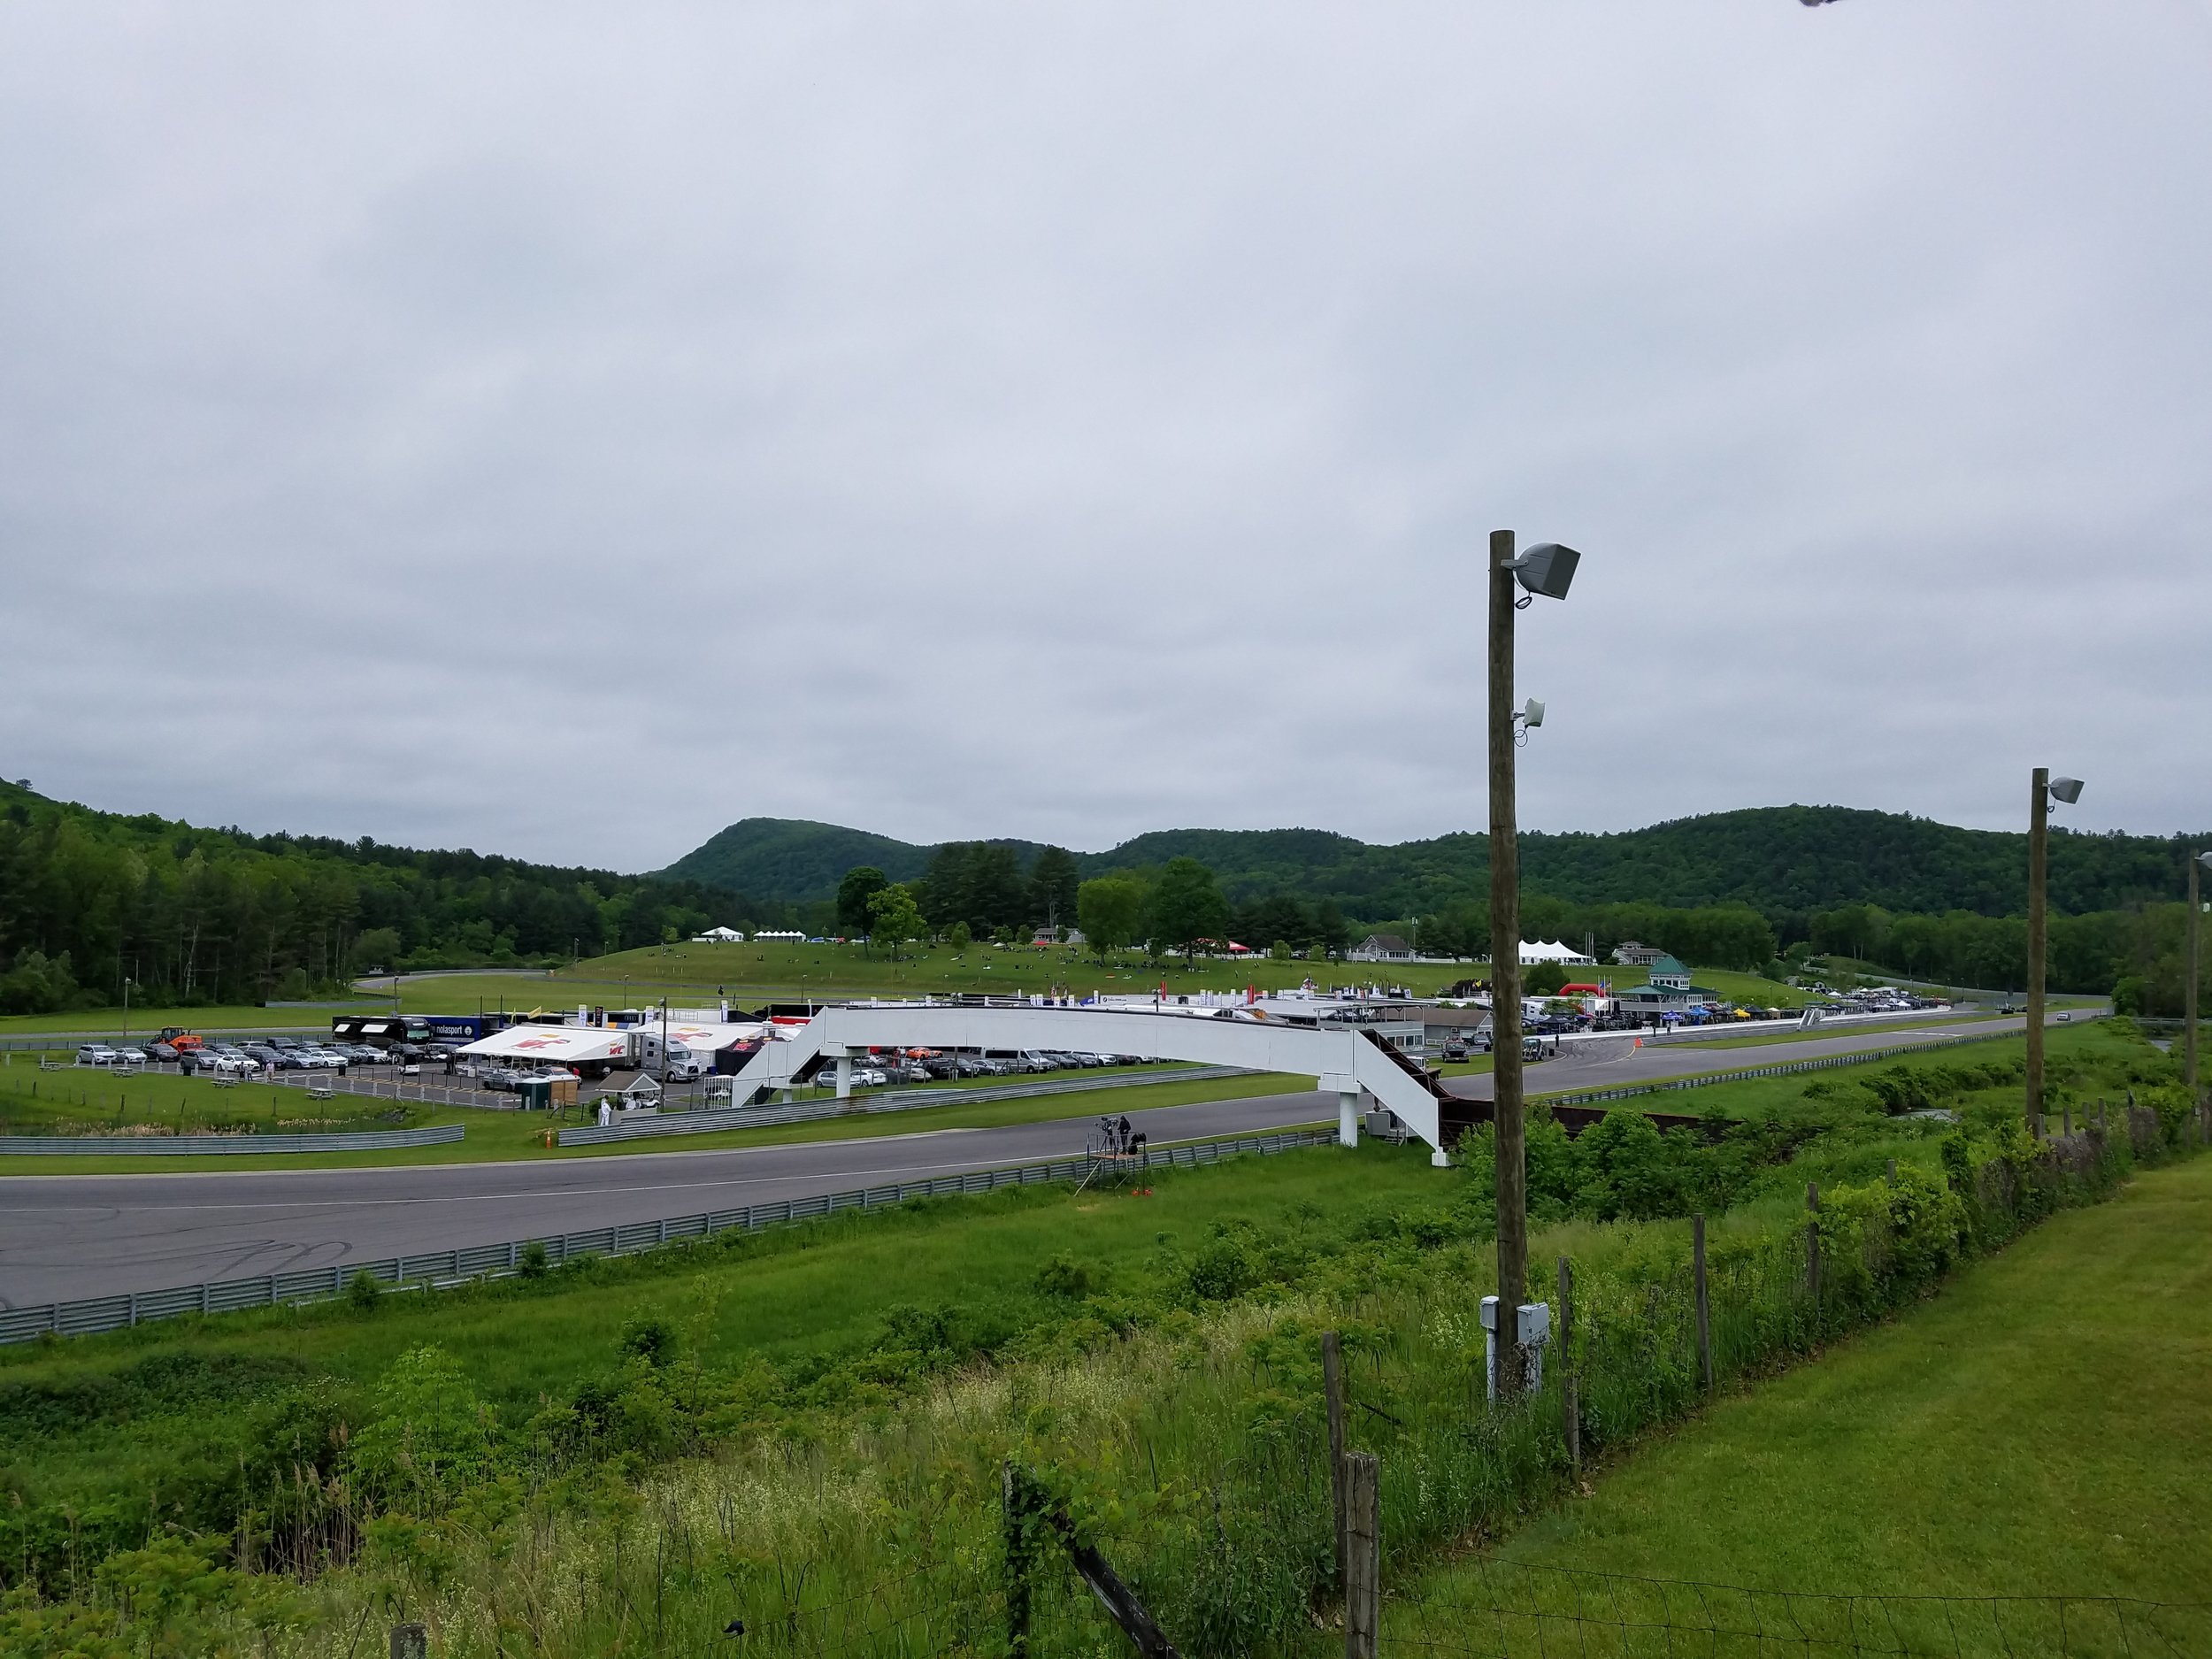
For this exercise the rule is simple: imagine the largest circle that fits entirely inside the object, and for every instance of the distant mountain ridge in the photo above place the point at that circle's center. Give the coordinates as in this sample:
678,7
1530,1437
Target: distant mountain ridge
1779,861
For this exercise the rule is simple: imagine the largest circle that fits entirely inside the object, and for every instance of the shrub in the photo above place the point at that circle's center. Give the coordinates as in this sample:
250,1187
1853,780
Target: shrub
649,1337
1060,1277
431,1436
363,1292
531,1263
1221,1270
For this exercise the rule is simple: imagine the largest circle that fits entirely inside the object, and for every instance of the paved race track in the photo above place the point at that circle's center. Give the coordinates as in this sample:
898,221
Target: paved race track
1684,1055
68,1236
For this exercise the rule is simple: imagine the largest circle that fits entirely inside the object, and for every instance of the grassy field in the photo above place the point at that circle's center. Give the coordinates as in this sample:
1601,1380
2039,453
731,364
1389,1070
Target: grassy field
198,1104
842,1395
817,1289
692,974
750,973
143,1023
2038,1428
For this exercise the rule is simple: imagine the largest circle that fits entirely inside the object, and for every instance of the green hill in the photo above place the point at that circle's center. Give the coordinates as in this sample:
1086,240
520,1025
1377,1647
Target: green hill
1780,861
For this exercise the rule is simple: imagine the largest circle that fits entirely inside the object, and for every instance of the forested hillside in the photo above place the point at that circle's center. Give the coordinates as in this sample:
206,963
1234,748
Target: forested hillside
1784,862
203,916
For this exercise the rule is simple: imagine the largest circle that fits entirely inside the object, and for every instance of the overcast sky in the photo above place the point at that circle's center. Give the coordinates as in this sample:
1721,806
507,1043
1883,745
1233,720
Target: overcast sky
563,430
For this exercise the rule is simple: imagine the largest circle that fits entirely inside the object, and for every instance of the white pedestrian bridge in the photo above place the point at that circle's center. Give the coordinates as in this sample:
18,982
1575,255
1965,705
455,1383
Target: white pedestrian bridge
1343,1059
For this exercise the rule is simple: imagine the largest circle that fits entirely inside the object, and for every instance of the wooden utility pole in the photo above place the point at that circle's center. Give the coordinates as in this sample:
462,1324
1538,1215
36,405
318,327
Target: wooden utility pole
2189,1000
1570,1400
1812,1245
2038,853
1505,982
1704,1304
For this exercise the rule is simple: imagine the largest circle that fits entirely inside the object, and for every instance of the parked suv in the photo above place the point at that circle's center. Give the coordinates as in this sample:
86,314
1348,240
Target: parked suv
95,1053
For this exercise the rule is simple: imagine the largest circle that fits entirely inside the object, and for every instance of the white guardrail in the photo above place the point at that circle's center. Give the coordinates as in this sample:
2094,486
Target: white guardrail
638,1127
239,1145
440,1270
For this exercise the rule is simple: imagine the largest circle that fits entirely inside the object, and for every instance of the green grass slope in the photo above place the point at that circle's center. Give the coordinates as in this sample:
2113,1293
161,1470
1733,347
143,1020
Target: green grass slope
2038,1428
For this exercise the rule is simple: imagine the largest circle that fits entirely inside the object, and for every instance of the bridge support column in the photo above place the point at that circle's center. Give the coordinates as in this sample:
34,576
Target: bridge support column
844,1078
1348,1117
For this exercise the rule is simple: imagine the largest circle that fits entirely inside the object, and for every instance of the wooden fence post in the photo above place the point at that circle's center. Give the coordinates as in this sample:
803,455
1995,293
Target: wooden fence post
1363,1580
1892,1172
1106,1585
1018,1519
1812,1243
410,1641
1570,1393
1333,1382
1704,1304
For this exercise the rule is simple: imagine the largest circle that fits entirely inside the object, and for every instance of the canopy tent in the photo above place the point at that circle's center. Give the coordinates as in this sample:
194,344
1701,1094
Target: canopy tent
558,1045
1555,952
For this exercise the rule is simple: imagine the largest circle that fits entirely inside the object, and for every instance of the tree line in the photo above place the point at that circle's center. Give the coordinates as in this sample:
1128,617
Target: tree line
983,890
196,917
1787,863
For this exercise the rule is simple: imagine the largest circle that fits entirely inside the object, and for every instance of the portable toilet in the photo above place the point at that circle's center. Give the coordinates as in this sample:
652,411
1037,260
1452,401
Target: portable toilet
537,1093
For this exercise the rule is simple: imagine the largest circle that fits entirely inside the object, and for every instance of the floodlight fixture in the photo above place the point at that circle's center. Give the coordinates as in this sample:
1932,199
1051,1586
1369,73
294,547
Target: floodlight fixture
2205,859
1533,715
2065,789
1546,570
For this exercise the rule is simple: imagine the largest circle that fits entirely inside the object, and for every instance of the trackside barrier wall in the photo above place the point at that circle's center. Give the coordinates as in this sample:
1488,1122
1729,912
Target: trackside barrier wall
438,1270
700,1123
246,1145
1862,1057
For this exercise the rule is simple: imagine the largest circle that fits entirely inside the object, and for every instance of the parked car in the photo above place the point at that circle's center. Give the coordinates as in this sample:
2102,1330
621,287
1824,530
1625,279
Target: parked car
130,1056
162,1053
95,1053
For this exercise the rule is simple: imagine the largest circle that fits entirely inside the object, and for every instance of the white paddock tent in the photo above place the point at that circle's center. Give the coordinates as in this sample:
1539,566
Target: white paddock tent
1345,1061
553,1045
692,1043
1554,951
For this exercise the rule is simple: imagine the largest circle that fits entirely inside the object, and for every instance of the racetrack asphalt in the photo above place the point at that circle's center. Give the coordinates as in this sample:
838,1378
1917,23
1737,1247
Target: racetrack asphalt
68,1236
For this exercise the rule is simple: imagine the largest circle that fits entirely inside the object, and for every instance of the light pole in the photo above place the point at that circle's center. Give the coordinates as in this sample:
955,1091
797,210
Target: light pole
2043,790
1546,570
2189,981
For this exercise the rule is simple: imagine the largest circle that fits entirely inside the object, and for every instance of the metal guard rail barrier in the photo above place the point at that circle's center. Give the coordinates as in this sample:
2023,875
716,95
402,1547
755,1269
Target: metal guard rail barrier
440,1270
248,1145
1865,1056
706,1122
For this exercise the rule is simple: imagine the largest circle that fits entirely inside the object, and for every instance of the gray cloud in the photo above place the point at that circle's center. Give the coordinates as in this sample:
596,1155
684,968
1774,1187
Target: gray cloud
563,431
